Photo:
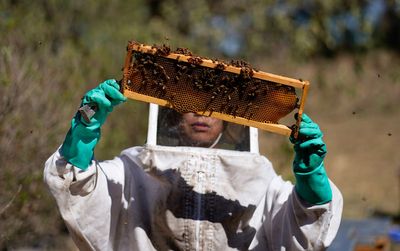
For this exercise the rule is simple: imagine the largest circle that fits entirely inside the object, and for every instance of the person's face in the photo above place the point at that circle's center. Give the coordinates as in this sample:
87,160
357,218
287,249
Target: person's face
200,130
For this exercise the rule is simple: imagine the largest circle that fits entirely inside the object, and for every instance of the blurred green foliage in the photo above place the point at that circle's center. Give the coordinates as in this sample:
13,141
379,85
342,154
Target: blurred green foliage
53,51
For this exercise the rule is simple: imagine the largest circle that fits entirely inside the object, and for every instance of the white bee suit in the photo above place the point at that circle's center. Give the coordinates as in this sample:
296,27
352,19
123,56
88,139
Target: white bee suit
166,198
187,198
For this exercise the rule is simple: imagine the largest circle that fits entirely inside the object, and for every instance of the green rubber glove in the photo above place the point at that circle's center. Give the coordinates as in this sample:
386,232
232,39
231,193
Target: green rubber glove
83,136
312,182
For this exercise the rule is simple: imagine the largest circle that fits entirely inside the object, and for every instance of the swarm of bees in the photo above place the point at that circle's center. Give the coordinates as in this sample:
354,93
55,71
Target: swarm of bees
190,87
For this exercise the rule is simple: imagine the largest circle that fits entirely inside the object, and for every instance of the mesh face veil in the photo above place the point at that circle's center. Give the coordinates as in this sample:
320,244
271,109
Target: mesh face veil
189,129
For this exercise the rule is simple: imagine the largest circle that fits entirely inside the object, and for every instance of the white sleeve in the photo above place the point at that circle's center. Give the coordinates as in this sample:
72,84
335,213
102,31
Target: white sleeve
293,224
86,198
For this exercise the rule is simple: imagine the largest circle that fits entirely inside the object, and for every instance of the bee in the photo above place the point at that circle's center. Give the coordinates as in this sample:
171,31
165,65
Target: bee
195,60
220,66
223,105
235,110
211,112
212,98
229,109
248,106
171,98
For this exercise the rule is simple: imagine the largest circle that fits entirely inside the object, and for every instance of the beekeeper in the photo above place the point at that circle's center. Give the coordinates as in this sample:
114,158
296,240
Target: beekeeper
190,197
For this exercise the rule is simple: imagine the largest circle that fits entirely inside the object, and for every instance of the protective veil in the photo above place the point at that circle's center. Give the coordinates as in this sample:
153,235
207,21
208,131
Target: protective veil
188,198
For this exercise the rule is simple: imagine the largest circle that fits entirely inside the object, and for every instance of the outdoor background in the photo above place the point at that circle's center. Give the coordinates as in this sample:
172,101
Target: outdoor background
52,52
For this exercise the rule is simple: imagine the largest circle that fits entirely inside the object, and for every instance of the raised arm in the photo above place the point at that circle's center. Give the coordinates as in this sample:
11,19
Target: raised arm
85,190
305,216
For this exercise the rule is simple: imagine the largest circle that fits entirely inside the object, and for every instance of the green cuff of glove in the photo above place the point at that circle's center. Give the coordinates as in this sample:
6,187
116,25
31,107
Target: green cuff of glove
314,186
79,144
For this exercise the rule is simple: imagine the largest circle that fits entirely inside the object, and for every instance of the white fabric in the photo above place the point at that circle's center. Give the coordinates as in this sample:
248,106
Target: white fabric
185,198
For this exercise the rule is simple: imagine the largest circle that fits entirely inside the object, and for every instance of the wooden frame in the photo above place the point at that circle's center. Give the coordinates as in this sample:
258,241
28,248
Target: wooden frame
275,128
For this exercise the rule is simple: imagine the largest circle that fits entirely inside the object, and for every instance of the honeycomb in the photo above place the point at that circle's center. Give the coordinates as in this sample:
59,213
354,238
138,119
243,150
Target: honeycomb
190,83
